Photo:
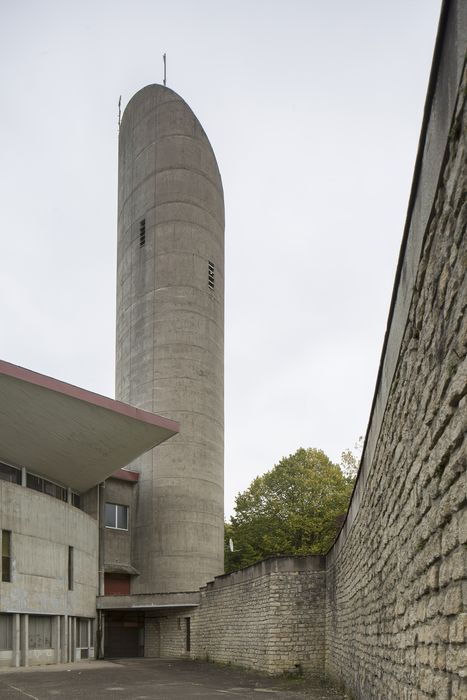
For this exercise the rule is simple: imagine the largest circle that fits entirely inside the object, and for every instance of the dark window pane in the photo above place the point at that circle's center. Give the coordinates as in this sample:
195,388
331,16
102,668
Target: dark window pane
110,515
122,517
50,488
10,474
70,568
6,632
40,632
6,556
82,632
34,482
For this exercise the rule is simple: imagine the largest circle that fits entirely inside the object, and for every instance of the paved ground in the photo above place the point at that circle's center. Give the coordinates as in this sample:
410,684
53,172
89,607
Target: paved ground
145,679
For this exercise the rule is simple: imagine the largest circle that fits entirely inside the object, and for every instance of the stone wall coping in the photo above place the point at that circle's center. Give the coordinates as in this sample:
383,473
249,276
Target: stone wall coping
443,89
272,565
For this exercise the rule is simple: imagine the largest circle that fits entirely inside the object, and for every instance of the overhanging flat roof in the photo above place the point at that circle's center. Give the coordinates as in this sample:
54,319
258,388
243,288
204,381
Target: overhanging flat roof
149,601
67,434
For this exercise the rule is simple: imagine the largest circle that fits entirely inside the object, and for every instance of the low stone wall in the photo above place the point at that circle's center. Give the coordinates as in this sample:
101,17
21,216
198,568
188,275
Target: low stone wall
268,617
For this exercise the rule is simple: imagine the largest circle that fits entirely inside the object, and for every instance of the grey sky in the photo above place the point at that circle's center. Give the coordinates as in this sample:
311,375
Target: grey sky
313,110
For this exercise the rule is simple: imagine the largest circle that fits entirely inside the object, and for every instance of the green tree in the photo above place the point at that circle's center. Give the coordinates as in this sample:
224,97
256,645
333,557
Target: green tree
292,509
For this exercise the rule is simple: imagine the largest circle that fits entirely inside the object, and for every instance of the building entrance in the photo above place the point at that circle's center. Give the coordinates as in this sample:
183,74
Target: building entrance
124,634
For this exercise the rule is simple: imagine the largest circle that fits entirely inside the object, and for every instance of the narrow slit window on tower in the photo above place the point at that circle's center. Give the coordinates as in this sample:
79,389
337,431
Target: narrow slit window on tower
70,569
6,555
142,232
211,275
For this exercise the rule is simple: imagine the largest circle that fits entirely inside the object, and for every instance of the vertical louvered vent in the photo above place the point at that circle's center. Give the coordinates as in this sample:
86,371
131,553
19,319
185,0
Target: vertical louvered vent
211,275
142,232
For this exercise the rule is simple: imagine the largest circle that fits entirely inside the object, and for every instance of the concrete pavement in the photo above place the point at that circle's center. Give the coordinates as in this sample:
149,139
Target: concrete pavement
148,679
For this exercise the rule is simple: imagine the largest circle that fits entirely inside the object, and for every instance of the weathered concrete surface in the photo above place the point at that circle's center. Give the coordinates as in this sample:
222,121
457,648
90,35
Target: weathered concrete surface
170,335
167,680
43,529
117,543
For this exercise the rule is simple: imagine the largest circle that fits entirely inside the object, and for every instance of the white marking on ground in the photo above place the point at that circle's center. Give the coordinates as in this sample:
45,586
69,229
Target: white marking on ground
23,692
239,690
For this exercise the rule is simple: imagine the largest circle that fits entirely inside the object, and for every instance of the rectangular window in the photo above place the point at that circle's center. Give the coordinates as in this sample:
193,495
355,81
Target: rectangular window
82,632
6,556
75,500
188,634
6,632
40,632
142,232
211,275
10,474
70,568
116,516
34,482
37,483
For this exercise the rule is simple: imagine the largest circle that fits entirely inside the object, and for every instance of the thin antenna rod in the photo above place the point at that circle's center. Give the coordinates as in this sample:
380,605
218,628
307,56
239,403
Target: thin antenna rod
165,69
119,110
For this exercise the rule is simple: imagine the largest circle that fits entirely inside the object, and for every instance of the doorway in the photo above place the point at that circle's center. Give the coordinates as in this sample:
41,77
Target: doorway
124,634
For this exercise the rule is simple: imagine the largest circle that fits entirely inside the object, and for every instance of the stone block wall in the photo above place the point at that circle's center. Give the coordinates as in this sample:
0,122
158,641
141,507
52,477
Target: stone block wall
173,633
165,635
152,637
396,577
269,617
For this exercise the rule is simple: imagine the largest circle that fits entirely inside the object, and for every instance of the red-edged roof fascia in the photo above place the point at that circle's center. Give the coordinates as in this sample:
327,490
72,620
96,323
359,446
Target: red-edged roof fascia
46,382
125,475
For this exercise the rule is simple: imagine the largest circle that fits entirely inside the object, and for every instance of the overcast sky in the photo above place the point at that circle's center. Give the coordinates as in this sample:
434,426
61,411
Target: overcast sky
313,110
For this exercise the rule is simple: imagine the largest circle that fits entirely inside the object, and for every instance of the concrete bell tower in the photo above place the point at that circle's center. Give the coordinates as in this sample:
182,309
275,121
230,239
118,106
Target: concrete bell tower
170,336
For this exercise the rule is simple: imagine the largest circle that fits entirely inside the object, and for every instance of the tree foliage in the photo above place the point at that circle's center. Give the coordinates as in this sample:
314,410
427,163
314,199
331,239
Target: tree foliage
292,509
350,460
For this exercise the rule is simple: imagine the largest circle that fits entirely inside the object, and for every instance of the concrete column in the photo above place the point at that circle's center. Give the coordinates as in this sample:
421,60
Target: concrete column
16,640
56,638
101,521
68,495
24,635
89,634
69,639
73,639
23,476
100,635
64,637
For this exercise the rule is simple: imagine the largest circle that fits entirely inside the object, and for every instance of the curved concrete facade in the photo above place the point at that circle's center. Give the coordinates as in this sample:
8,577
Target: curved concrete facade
170,335
43,528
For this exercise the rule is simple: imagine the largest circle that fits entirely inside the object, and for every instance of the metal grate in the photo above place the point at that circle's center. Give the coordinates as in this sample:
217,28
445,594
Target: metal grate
210,275
142,232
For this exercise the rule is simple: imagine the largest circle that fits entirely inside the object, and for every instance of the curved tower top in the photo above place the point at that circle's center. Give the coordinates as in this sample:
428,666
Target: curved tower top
170,335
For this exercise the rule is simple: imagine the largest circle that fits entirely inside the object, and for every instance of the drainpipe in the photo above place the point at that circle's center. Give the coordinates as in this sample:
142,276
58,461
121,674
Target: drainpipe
101,558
